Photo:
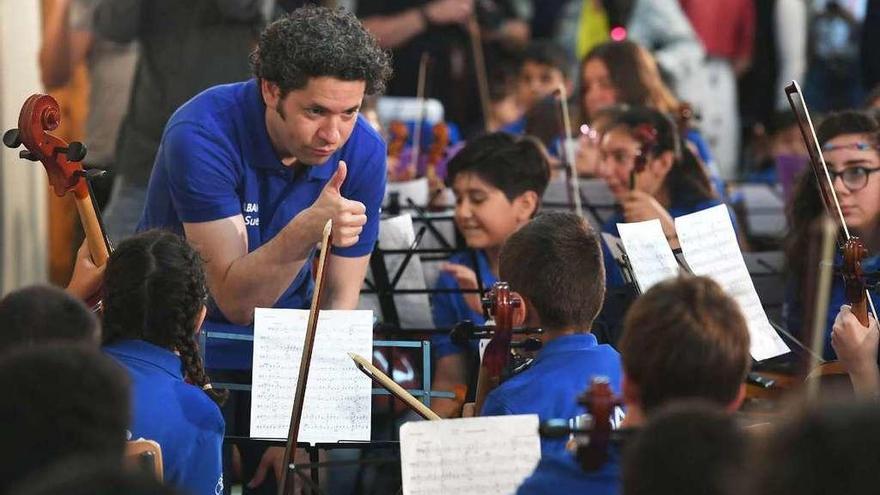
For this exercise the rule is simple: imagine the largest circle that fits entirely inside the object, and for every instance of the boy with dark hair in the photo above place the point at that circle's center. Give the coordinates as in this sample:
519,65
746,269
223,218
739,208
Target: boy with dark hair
555,265
829,449
689,447
544,67
683,339
498,180
60,401
42,313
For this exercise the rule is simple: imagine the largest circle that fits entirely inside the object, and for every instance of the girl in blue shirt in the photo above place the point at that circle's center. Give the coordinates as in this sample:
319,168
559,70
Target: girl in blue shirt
154,304
498,180
849,142
652,174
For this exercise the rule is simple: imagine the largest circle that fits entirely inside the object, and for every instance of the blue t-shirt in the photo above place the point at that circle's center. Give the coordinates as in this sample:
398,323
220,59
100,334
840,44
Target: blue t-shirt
551,385
216,161
450,308
558,473
613,275
793,310
185,422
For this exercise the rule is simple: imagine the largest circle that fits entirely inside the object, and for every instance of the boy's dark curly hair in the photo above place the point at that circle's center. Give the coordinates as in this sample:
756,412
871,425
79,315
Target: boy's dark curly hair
155,289
316,41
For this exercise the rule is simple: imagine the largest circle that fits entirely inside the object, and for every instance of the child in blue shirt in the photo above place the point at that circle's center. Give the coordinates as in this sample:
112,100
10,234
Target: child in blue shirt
683,339
653,175
498,180
154,305
554,263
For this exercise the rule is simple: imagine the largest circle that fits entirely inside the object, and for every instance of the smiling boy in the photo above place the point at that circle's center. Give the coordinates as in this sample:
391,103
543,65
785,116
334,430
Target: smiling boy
498,180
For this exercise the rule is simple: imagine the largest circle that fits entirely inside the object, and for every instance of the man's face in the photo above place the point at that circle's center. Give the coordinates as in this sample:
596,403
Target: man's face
309,124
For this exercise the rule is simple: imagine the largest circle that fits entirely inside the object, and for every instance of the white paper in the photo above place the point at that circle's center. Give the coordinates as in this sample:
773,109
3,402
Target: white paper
709,245
413,310
468,456
650,256
338,396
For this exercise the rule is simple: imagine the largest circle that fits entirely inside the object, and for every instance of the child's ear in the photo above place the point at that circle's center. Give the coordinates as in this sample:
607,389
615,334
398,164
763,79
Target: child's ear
520,312
525,205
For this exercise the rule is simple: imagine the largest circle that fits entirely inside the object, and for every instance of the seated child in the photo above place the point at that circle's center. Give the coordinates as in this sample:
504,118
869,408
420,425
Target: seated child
683,339
554,263
498,181
154,305
61,401
42,313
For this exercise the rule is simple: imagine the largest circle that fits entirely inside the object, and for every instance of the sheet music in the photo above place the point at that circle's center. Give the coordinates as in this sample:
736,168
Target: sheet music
478,456
413,310
710,248
649,253
338,396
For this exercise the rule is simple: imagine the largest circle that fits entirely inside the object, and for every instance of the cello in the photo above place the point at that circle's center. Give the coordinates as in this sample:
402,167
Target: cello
40,115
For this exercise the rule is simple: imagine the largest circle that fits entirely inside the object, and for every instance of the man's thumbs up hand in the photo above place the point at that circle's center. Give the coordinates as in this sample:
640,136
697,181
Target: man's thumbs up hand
348,216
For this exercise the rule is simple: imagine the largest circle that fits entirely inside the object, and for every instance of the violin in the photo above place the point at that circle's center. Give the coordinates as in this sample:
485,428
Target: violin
852,248
39,115
592,438
398,136
436,152
499,304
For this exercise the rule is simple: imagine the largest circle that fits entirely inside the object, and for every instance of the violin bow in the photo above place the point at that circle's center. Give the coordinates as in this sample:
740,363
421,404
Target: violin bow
300,393
568,152
420,99
829,196
480,68
383,380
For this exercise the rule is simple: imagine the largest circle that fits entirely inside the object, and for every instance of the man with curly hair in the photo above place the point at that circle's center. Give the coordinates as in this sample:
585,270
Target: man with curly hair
250,172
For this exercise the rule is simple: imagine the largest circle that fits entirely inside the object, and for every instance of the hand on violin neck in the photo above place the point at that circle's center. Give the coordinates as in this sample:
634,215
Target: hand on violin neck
639,206
856,344
87,277
349,217
448,11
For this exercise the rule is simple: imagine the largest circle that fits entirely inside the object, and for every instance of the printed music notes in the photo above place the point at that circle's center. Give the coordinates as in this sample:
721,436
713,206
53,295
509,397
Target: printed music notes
709,245
649,255
479,456
338,396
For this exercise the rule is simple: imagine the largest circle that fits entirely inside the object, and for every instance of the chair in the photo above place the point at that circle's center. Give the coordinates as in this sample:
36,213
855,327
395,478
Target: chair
146,455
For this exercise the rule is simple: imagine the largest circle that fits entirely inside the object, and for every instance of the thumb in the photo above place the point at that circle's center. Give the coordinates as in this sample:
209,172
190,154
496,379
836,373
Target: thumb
339,177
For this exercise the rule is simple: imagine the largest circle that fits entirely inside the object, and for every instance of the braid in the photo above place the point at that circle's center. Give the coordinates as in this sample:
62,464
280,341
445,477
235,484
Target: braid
155,291
194,370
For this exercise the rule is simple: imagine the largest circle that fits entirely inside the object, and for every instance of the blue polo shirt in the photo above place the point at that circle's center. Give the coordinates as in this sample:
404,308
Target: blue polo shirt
551,385
216,161
185,422
450,308
560,473
793,309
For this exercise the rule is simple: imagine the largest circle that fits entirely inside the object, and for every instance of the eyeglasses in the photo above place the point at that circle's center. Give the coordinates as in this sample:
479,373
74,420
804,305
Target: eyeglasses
854,178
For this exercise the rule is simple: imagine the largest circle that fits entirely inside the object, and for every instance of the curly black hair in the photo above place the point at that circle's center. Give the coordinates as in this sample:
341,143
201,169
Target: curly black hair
316,41
155,289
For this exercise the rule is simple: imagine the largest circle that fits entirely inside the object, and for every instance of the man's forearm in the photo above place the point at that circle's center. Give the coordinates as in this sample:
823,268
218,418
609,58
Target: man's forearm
259,278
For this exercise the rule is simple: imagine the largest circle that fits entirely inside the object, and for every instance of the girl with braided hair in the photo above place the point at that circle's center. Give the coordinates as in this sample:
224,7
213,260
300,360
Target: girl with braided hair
154,305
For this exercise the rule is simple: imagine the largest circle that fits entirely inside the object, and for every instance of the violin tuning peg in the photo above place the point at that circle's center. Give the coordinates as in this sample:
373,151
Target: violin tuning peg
76,151
27,155
12,138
